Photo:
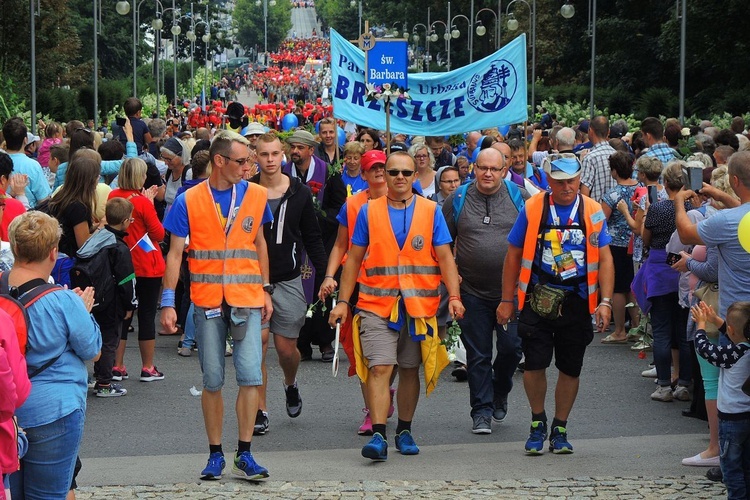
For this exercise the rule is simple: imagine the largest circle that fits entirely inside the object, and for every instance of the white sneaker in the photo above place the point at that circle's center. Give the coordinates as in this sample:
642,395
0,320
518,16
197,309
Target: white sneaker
681,393
663,394
650,373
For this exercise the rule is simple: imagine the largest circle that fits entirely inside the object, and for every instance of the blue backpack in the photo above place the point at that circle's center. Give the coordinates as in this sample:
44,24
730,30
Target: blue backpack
459,198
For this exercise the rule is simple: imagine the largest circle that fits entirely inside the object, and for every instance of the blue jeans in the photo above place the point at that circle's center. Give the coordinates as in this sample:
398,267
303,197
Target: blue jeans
47,469
734,443
189,339
211,336
669,325
488,379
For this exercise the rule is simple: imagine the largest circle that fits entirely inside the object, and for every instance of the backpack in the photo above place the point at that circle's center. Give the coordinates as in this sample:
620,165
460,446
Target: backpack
459,198
95,271
15,302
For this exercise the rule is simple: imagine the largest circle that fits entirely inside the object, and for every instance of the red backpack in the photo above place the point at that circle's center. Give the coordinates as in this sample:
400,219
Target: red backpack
15,301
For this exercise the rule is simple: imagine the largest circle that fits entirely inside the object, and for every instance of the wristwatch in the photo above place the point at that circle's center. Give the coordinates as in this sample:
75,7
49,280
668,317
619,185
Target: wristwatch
268,288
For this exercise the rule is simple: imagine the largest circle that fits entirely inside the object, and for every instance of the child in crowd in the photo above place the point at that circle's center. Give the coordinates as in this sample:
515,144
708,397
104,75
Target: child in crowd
122,302
733,403
53,134
58,154
141,135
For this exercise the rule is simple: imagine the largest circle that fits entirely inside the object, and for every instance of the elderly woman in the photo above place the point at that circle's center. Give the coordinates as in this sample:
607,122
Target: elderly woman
148,264
176,155
62,337
425,163
657,282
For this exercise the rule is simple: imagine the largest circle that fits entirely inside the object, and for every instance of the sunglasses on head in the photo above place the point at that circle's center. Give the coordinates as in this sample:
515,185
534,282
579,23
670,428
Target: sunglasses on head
394,172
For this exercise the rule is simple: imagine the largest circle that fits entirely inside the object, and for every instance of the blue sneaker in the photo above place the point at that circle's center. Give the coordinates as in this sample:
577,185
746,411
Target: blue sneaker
537,437
214,466
405,443
376,449
246,467
558,441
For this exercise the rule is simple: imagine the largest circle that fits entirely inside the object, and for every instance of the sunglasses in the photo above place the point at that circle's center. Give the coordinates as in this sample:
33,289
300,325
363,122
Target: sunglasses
239,161
394,172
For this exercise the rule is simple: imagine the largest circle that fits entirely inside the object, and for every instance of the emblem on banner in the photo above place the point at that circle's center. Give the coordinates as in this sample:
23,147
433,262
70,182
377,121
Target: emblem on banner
493,90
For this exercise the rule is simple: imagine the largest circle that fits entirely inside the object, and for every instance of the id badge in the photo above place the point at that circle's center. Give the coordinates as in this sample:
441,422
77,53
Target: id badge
566,265
213,313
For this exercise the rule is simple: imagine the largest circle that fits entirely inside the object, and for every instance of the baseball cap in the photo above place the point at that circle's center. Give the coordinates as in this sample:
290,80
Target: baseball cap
562,167
372,157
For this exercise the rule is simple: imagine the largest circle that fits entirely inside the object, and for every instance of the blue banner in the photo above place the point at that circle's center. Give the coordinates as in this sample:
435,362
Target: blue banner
488,93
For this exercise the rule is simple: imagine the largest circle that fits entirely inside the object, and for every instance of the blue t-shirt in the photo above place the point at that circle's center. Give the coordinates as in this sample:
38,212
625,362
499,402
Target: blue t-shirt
176,221
354,184
341,217
721,230
575,242
58,325
400,224
140,129
38,187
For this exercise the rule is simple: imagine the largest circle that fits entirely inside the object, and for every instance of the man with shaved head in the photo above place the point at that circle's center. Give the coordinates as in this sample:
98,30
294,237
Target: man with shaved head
479,216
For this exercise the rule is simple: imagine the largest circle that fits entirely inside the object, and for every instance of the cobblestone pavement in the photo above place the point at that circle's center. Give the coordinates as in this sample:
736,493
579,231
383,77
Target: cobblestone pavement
621,488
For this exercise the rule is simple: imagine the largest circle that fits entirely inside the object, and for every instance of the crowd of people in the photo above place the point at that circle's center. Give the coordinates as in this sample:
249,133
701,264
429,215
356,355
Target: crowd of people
527,243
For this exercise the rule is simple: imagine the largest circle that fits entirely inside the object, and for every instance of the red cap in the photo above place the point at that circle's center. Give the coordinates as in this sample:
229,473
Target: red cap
372,157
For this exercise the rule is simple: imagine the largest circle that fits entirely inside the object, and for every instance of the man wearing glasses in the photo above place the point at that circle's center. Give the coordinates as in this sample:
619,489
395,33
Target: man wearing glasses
559,259
229,285
402,244
479,226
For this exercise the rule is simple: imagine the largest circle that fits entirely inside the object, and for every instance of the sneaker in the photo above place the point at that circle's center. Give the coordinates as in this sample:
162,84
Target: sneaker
558,441
650,373
228,349
261,423
681,393
537,437
376,449
109,391
501,409
482,424
246,467
663,394
366,428
215,465
91,382
391,408
151,374
293,401
119,373
405,443
185,352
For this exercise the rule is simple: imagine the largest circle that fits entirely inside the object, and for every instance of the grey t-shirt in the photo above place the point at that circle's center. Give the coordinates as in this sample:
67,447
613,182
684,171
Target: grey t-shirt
721,231
480,247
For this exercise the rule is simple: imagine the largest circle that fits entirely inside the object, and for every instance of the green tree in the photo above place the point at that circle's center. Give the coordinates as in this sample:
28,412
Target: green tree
249,19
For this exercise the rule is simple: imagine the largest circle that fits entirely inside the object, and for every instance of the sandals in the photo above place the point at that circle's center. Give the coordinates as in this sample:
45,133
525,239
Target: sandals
609,339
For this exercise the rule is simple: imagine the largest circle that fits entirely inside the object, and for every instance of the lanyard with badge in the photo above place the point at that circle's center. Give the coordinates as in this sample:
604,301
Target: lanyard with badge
564,262
231,216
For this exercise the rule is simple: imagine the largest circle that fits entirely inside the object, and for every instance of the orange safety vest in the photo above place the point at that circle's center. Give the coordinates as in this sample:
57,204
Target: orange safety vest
592,211
411,272
353,205
225,267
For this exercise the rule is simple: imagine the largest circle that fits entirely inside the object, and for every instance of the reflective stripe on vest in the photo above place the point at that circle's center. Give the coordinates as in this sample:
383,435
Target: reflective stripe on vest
534,211
224,266
389,271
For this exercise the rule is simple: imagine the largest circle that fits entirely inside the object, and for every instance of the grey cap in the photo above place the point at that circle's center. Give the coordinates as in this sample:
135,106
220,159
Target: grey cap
302,137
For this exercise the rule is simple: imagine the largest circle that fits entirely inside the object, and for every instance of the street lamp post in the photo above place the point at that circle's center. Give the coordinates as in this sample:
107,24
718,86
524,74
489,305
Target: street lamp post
32,26
513,26
455,33
683,36
568,11
481,30
353,3
446,37
265,4
415,38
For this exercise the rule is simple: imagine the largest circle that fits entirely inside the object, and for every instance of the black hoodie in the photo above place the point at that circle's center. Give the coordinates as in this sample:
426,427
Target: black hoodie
294,226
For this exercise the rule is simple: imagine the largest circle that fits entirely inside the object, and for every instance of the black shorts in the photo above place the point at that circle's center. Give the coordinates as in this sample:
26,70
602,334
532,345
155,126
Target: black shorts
624,271
566,337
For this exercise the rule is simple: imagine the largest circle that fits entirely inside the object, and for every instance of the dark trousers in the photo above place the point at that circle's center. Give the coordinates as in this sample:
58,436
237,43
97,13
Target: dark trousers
147,291
488,380
110,340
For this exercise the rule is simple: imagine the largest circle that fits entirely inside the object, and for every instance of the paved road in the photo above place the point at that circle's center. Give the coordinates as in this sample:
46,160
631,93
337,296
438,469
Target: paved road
303,22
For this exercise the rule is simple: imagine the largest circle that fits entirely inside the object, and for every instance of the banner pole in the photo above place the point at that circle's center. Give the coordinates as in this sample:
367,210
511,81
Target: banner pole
388,127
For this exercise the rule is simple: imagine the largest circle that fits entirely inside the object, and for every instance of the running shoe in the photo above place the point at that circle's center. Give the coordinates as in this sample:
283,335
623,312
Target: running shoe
405,443
376,449
558,441
151,374
214,467
537,437
366,428
261,423
119,373
109,390
246,467
293,401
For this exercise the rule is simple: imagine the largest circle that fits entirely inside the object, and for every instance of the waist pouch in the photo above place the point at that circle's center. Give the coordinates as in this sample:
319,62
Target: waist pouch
547,301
